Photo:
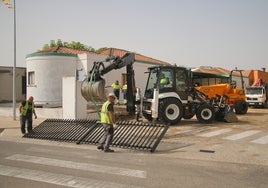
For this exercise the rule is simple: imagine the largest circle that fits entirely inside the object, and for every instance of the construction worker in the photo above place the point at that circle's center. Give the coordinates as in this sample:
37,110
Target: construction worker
165,82
26,114
124,90
107,120
116,89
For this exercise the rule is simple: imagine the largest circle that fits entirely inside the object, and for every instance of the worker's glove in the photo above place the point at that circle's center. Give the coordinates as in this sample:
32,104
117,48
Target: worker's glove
115,126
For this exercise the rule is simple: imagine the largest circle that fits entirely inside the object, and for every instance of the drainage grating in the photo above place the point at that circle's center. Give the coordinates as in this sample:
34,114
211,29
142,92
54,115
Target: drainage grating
128,134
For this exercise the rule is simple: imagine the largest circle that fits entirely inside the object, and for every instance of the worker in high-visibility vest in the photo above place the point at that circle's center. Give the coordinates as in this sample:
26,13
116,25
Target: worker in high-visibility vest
124,90
116,89
107,120
26,114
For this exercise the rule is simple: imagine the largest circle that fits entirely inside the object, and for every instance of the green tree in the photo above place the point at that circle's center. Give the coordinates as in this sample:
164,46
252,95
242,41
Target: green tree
74,44
45,47
52,43
59,42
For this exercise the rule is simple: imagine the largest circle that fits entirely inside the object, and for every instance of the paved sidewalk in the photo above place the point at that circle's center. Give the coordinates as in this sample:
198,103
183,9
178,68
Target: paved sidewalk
10,128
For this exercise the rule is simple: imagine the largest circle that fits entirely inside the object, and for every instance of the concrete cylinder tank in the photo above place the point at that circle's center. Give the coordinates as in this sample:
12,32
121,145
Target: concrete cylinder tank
44,76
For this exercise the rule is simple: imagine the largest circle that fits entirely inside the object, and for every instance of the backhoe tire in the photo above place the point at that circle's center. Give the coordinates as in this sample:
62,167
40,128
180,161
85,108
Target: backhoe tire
205,113
241,107
170,111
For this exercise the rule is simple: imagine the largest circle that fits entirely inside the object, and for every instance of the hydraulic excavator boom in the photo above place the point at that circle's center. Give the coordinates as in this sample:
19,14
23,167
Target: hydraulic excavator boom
93,88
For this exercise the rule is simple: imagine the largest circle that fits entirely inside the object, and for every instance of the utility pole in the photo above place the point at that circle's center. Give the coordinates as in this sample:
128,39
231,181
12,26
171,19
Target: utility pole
14,67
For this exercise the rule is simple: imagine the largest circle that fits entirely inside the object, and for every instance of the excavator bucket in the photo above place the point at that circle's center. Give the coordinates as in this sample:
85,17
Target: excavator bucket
226,114
230,117
93,91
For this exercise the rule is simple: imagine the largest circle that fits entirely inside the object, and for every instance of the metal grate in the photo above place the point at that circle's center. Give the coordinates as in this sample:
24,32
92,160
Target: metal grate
128,134
61,129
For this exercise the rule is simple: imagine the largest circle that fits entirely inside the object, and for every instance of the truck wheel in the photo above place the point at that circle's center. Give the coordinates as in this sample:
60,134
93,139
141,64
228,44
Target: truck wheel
205,113
241,107
170,110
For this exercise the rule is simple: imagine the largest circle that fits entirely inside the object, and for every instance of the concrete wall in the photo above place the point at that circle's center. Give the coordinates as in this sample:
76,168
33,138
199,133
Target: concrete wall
6,84
74,106
49,71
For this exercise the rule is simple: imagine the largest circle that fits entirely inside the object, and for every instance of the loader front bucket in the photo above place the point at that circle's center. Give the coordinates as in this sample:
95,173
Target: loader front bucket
226,114
93,91
230,117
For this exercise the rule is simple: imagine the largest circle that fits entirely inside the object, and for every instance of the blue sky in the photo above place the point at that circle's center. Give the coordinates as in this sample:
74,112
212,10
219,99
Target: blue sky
191,33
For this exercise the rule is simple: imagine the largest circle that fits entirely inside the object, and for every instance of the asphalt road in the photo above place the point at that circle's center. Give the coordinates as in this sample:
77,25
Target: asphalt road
41,165
190,155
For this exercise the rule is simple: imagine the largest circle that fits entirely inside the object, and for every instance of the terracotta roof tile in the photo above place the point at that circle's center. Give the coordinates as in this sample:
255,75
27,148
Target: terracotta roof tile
138,57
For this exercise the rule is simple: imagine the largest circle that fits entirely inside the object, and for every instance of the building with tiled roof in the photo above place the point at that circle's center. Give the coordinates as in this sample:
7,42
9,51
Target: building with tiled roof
108,52
46,69
254,75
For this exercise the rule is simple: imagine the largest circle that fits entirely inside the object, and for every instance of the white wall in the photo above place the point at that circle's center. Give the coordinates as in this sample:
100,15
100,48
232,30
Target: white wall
74,106
49,71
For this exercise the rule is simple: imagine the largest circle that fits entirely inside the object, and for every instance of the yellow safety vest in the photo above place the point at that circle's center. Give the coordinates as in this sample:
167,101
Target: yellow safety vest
25,108
116,86
124,87
104,113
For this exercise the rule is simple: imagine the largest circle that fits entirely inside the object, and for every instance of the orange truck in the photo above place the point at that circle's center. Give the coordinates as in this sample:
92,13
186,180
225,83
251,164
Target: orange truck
235,97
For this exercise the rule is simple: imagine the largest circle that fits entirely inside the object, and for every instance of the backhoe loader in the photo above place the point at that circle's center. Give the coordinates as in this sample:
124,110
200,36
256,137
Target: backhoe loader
167,101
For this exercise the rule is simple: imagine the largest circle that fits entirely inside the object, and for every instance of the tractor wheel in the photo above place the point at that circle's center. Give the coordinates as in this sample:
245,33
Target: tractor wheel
241,107
205,113
170,110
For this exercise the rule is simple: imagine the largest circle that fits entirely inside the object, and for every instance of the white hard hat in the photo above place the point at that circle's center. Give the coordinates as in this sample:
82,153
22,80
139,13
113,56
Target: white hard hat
111,95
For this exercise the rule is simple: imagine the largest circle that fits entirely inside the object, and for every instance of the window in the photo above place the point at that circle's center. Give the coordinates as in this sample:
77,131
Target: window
23,84
31,78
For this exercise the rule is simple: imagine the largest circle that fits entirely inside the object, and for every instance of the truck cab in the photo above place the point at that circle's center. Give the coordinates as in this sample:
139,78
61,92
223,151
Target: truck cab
256,96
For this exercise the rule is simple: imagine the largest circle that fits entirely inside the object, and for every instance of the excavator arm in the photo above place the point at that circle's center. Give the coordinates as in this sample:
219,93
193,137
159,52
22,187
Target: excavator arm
94,89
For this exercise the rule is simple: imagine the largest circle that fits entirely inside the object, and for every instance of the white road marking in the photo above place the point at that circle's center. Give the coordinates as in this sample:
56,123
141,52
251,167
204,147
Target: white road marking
79,166
57,179
215,133
262,140
242,135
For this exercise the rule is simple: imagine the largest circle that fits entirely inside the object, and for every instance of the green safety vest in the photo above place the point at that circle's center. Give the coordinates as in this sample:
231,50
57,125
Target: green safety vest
104,113
164,81
25,108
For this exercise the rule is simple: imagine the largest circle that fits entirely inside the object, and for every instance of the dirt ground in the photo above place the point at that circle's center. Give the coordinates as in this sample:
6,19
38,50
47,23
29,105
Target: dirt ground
256,116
